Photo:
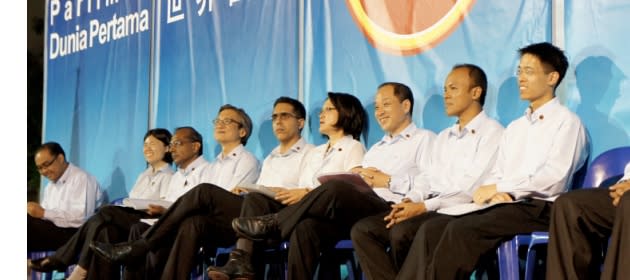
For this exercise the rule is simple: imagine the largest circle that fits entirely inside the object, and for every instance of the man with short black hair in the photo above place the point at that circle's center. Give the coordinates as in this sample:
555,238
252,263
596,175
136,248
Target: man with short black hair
70,197
537,157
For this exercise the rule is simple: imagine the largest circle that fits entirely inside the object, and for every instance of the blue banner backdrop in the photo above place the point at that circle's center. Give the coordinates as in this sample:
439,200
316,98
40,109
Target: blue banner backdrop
240,52
97,80
106,85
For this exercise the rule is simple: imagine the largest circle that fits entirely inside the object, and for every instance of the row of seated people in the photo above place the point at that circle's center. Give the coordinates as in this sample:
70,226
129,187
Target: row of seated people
425,214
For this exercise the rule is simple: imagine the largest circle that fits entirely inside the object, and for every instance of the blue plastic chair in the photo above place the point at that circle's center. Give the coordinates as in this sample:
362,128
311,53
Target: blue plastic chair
606,166
343,248
47,275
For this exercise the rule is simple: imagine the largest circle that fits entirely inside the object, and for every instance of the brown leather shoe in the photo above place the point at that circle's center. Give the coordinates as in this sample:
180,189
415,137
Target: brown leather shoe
239,267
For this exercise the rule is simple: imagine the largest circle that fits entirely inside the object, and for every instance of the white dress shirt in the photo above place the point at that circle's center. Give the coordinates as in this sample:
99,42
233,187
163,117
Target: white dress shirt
239,166
406,158
461,160
540,152
283,170
183,180
346,154
149,184
70,200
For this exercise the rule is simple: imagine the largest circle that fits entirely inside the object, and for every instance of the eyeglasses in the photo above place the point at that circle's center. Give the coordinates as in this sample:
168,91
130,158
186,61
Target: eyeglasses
47,164
327,109
178,143
283,116
527,71
227,121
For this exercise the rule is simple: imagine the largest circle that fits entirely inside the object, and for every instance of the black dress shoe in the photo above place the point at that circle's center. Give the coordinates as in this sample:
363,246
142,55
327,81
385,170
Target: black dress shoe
257,228
238,267
47,264
126,253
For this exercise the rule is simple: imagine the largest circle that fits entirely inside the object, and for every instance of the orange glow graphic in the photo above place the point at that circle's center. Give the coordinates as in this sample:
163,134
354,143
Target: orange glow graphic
407,27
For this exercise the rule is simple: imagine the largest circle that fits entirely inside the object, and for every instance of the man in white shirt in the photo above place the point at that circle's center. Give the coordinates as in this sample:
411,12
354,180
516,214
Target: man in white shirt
70,197
537,157
581,222
201,215
326,214
462,156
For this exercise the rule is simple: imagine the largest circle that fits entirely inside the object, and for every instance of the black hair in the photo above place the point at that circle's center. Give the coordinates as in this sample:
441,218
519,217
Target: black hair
53,148
402,92
165,137
298,107
551,57
193,136
352,116
478,77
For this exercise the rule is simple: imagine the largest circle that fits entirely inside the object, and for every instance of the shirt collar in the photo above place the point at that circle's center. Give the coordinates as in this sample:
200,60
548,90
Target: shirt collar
193,165
405,134
235,153
65,175
542,112
162,169
473,127
296,148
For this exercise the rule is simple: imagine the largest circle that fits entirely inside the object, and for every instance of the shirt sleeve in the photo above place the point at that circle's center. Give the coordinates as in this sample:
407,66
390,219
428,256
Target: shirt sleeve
566,154
354,157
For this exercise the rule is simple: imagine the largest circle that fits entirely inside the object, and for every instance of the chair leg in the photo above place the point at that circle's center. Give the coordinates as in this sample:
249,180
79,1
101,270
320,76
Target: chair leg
508,260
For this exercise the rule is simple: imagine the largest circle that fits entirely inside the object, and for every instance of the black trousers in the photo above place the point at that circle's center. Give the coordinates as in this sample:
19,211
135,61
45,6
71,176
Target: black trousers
581,223
44,235
109,224
323,217
382,251
448,247
201,217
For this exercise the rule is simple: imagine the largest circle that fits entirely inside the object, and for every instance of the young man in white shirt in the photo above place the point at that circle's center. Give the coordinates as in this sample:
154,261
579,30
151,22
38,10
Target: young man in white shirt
537,157
326,214
462,156
581,222
70,197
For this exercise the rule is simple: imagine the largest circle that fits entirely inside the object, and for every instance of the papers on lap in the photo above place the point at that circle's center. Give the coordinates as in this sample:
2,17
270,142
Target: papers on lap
462,209
143,204
150,221
348,177
259,189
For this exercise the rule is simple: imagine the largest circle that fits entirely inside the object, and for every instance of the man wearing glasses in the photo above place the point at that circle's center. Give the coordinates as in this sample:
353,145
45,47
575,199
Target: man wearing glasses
69,198
201,216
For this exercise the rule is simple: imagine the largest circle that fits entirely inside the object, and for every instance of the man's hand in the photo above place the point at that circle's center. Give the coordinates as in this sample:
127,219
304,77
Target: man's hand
238,190
484,194
290,196
35,210
403,211
156,209
373,177
617,190
500,197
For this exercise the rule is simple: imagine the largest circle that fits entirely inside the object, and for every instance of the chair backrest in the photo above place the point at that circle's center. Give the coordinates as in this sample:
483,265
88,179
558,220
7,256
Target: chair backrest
607,165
